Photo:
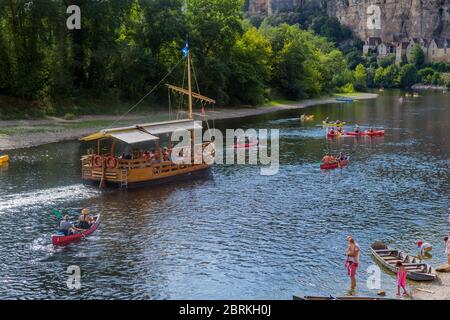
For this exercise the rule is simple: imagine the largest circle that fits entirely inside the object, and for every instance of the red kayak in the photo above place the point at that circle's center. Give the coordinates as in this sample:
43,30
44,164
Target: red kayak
356,134
334,135
60,240
246,145
336,165
378,133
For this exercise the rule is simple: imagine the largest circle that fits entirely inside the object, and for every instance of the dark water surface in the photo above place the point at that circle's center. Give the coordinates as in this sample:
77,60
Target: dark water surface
236,234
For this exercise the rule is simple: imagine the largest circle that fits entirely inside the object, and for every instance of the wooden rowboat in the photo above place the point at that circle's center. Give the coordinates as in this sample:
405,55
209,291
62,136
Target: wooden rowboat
417,271
61,240
320,298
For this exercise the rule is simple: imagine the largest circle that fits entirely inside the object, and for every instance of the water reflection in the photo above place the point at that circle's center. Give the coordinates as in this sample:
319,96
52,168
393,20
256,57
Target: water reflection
236,234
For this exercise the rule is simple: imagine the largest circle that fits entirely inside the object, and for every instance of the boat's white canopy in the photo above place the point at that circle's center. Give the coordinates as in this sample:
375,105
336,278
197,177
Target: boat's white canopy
144,132
133,136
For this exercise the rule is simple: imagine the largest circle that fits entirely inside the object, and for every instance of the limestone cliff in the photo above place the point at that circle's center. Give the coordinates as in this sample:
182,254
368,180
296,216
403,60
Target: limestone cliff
396,19
391,20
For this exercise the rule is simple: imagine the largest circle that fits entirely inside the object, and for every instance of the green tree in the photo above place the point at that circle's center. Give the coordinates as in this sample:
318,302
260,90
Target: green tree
407,76
360,76
250,68
386,77
417,56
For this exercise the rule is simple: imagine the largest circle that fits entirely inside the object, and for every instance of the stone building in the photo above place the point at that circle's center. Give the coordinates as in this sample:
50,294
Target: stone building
435,50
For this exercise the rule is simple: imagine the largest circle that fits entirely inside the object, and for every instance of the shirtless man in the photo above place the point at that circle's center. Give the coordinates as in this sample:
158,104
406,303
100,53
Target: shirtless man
352,262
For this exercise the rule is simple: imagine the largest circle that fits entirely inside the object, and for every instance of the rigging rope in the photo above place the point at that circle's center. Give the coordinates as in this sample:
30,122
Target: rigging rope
150,92
201,102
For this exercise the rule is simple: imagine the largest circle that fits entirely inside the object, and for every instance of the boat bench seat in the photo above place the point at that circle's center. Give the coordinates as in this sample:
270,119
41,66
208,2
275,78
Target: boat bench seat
385,250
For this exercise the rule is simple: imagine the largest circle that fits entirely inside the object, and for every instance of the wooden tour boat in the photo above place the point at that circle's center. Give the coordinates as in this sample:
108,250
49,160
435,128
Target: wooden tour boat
119,157
388,258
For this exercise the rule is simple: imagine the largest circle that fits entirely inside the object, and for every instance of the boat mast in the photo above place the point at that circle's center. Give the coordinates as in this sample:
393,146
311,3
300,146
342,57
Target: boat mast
189,84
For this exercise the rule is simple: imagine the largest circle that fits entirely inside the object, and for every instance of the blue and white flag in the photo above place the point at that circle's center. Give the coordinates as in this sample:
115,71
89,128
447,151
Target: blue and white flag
185,50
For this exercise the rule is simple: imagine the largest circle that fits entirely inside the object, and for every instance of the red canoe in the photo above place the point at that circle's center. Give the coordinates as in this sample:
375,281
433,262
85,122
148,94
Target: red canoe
246,145
334,135
356,134
377,133
336,165
60,240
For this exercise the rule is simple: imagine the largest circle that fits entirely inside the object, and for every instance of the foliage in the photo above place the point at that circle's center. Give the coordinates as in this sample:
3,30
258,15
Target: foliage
407,76
360,75
417,56
125,47
386,77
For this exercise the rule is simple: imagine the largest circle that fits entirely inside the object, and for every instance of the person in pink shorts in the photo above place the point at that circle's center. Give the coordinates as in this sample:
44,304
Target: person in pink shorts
352,262
401,278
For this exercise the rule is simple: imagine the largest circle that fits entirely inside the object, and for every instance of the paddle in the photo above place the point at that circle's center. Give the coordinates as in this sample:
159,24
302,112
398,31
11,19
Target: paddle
57,213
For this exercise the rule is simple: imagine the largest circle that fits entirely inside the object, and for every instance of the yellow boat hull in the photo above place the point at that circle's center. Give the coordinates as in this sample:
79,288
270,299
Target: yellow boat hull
325,124
4,159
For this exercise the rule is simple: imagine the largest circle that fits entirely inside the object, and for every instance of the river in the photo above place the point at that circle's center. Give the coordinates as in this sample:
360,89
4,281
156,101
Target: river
236,234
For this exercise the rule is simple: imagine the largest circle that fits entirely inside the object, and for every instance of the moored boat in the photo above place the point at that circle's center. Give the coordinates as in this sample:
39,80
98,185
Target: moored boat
60,239
307,118
348,298
388,258
4,159
346,100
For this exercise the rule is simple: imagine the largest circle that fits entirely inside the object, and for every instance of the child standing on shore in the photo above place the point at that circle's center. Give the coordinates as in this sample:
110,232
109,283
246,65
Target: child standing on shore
401,279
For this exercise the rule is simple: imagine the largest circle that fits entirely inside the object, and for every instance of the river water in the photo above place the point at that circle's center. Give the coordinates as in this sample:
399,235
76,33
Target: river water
236,234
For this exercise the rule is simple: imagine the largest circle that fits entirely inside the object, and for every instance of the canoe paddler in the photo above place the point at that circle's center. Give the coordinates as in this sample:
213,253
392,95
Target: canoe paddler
326,159
66,227
424,248
85,220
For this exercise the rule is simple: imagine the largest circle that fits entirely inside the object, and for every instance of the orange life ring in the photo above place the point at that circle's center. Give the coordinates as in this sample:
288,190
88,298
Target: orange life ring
111,163
97,161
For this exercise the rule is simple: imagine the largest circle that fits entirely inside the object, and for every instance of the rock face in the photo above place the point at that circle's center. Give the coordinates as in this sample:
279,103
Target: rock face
272,6
394,20
390,20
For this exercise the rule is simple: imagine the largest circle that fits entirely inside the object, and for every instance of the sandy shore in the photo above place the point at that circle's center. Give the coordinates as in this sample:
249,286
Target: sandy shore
437,290
17,134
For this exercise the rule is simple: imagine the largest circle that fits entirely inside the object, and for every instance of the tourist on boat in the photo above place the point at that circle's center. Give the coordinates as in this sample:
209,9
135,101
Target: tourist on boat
357,129
126,156
401,278
424,248
332,132
371,130
327,120
338,122
85,220
166,154
352,262
340,130
66,227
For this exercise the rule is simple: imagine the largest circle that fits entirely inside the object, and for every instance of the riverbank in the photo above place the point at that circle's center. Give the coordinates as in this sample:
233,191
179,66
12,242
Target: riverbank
437,290
16,134
420,86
